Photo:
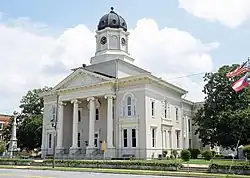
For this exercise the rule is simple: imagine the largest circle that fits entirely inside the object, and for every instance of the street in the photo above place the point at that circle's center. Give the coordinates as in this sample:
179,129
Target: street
18,173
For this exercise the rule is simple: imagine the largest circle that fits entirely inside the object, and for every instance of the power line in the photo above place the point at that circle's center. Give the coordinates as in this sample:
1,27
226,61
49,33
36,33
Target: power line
184,76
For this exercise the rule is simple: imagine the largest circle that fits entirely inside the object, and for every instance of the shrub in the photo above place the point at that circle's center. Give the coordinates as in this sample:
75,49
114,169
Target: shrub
185,155
246,151
165,153
207,155
175,153
213,153
2,147
219,156
194,153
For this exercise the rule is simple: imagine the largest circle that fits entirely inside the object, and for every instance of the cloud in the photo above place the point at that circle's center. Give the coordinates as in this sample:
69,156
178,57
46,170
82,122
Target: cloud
31,60
231,13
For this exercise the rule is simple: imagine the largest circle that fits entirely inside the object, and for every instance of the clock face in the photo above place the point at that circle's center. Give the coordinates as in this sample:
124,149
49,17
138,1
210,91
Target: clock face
103,40
123,41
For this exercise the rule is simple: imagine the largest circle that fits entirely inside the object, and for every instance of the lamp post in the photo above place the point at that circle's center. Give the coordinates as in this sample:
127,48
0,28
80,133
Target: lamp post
54,125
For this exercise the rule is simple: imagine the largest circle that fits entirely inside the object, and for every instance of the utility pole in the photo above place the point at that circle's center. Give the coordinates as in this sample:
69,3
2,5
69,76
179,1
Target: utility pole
54,124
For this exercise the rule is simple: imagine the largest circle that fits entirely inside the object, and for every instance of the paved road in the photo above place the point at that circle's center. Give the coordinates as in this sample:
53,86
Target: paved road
17,173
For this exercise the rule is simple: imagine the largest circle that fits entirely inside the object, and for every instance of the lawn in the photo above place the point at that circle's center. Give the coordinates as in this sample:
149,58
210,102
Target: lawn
202,161
216,161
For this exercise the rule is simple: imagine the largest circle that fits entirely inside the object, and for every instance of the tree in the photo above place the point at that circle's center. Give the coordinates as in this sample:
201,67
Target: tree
185,155
29,134
32,103
29,120
224,118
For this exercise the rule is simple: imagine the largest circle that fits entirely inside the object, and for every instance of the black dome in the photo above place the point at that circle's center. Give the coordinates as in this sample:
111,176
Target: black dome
112,20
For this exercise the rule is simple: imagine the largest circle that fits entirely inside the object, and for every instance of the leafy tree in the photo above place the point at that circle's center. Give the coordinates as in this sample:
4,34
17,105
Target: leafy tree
207,155
29,121
185,155
29,133
224,118
32,103
2,147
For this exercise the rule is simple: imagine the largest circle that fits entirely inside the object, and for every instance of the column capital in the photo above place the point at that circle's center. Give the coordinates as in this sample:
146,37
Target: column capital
62,103
109,96
75,101
90,98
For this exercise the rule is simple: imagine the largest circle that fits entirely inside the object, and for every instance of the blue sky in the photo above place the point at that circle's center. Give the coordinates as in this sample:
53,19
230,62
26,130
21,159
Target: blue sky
62,14
205,34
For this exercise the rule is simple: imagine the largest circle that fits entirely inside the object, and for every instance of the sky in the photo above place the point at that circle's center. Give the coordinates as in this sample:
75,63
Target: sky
178,40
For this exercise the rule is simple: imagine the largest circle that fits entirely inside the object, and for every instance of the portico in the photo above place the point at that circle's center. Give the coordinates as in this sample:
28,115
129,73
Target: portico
90,112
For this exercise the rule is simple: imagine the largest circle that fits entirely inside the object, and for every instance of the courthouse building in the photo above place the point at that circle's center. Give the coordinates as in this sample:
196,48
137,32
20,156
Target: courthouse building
112,101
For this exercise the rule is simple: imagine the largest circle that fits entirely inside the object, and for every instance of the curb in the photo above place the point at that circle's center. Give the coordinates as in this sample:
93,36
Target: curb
125,171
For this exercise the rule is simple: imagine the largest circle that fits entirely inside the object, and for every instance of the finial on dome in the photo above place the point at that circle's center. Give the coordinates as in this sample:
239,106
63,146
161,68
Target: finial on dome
112,8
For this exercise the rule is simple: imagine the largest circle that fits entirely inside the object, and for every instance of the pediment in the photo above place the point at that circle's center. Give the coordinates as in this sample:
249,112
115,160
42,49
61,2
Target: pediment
81,77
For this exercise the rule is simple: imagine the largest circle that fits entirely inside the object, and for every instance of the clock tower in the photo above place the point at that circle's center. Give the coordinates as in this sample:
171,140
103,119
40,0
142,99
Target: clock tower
111,39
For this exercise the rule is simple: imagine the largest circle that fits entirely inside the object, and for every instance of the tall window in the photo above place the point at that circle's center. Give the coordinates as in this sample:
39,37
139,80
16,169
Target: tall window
1,126
190,143
165,109
129,106
153,137
166,139
79,140
96,136
125,138
133,137
178,139
50,140
53,113
97,114
79,116
177,113
189,125
153,108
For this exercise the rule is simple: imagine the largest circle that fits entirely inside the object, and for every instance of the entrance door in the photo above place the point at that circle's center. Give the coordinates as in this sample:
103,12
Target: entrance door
97,140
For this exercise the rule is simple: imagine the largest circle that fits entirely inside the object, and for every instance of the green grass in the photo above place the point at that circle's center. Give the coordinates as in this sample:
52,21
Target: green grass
216,161
126,171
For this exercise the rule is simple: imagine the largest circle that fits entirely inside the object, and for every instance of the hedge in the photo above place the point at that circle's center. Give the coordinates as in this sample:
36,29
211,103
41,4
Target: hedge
239,169
133,164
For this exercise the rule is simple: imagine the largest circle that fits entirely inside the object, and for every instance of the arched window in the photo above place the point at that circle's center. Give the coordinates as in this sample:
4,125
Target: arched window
128,105
165,109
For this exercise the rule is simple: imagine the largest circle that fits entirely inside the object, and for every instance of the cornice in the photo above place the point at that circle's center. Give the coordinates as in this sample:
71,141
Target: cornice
78,88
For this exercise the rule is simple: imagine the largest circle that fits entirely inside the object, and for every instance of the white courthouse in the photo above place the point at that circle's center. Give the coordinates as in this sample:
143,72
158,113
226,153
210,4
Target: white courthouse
113,101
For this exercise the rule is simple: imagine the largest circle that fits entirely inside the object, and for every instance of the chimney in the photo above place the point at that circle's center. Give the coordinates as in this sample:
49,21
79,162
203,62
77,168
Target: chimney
83,65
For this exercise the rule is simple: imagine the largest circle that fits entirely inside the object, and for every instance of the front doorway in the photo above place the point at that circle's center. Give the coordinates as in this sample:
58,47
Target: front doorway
97,140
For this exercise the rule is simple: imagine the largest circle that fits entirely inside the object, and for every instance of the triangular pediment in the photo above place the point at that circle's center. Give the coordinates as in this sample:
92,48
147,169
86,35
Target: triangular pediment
81,77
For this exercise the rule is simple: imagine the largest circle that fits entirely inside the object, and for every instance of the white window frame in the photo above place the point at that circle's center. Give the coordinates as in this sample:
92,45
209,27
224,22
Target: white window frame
125,107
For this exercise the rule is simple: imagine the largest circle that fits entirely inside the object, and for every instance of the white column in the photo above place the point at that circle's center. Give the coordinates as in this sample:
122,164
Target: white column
187,132
60,126
109,121
92,113
164,139
75,119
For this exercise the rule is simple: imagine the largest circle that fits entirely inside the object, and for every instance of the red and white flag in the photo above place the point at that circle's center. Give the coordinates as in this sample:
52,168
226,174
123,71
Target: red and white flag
239,70
241,83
